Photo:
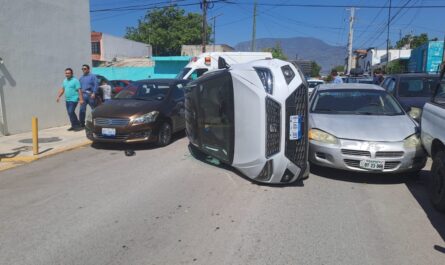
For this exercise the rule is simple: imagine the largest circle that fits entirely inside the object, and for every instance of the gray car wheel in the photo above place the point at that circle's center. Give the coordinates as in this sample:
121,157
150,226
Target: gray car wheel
437,183
165,134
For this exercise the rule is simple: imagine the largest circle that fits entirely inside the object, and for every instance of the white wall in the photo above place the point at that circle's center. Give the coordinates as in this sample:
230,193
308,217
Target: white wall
112,47
39,39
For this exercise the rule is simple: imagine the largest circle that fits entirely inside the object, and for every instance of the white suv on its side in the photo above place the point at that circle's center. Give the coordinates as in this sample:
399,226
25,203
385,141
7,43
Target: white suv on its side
254,117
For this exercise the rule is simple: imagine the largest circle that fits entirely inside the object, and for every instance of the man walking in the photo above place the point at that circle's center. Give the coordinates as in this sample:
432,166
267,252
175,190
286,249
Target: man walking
336,78
73,95
88,84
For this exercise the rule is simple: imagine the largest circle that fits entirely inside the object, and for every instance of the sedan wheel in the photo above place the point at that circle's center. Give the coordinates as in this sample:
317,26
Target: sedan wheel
437,184
165,134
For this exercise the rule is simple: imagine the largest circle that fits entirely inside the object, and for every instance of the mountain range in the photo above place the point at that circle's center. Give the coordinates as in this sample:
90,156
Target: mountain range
325,55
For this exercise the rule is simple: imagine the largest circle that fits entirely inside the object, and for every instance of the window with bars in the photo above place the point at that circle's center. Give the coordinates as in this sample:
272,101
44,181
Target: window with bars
95,47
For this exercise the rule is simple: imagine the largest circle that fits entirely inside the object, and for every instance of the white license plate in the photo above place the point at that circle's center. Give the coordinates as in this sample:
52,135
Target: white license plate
372,164
295,127
110,132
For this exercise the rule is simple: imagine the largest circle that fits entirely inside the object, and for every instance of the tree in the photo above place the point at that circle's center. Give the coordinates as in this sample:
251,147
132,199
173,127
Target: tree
168,28
396,67
339,68
276,51
413,41
315,69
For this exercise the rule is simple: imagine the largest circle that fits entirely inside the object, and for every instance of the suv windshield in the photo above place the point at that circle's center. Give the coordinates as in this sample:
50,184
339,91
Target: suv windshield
417,87
145,91
211,100
355,101
183,72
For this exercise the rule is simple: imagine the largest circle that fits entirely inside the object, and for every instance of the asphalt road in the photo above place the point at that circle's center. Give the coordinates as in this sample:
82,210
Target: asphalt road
162,206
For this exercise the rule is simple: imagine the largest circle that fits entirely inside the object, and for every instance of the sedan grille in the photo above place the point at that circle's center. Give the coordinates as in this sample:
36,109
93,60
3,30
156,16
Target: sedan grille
391,164
389,154
355,152
352,163
273,127
297,150
111,122
117,136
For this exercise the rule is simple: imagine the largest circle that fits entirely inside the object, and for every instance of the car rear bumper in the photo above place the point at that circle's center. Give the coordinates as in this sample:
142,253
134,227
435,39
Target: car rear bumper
348,154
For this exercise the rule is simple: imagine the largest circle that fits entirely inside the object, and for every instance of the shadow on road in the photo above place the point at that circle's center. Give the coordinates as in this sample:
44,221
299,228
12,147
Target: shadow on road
419,190
197,154
358,177
134,146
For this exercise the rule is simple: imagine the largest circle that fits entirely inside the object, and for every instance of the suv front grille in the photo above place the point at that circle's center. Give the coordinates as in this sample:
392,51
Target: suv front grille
273,127
111,122
297,150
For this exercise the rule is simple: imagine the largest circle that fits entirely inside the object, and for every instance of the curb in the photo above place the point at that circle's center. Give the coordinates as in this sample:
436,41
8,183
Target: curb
28,159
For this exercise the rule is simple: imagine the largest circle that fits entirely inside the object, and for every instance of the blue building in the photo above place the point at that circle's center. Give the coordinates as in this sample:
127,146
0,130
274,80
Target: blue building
426,58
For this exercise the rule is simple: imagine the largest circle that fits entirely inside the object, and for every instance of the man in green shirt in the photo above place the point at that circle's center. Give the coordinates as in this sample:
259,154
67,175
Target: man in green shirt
73,96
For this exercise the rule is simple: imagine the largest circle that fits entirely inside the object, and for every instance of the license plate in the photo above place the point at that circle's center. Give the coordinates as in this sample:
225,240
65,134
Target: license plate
295,127
372,164
110,132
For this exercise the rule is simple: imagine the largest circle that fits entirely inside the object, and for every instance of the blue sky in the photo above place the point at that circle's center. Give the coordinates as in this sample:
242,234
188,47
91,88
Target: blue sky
234,23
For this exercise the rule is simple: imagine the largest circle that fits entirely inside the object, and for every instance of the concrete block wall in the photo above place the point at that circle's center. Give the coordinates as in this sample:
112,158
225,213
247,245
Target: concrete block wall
39,39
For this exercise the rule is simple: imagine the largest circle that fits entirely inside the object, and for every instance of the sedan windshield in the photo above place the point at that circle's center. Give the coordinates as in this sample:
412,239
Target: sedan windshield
417,87
144,91
355,101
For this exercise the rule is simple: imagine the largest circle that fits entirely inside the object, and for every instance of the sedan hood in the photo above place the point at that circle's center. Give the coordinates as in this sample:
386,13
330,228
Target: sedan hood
365,127
126,108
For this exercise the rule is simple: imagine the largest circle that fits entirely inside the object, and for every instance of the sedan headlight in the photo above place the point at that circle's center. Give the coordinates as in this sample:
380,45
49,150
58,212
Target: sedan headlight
412,141
415,113
146,118
321,136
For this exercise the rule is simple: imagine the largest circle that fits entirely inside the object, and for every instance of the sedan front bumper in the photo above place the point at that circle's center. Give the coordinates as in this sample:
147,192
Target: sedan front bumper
348,154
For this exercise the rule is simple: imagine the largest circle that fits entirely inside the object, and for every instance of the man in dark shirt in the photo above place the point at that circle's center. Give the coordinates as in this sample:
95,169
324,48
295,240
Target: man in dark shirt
89,86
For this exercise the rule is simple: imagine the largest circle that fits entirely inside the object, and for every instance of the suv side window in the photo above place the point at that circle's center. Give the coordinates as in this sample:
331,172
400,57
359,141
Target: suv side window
391,85
197,73
385,83
439,97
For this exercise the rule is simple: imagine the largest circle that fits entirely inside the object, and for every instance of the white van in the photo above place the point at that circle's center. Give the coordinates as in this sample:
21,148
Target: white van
209,61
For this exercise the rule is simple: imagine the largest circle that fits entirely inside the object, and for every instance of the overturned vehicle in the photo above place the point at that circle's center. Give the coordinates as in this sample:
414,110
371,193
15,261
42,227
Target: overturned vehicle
253,117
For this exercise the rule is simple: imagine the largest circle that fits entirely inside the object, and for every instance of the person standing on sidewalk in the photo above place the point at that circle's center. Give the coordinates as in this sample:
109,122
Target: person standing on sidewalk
73,95
89,86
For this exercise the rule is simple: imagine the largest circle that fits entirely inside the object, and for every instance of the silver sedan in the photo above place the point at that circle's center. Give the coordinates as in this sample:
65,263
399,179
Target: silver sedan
360,127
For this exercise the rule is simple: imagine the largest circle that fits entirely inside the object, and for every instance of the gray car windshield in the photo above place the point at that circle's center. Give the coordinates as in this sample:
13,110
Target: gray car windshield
144,91
355,101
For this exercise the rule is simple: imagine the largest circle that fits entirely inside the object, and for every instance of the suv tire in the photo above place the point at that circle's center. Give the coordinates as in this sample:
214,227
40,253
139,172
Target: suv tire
437,182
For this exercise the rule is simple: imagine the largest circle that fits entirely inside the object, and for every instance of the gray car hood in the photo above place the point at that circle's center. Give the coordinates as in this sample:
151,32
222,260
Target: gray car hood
364,127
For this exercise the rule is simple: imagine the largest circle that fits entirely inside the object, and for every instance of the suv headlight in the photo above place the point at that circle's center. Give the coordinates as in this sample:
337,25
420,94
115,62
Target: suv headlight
146,118
321,136
412,141
266,78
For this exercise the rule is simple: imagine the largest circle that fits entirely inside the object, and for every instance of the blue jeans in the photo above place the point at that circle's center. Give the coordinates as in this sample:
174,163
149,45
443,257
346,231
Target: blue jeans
87,100
71,109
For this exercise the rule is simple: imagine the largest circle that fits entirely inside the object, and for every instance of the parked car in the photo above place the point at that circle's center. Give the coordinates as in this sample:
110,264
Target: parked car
118,85
433,139
312,84
147,111
361,127
411,90
253,117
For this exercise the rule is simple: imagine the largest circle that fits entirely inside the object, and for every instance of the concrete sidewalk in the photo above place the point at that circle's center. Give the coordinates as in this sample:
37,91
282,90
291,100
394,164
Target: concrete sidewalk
16,149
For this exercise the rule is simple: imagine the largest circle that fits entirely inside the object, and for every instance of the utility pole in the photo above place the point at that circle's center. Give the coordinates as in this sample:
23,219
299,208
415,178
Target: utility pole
204,24
214,29
253,48
351,33
387,35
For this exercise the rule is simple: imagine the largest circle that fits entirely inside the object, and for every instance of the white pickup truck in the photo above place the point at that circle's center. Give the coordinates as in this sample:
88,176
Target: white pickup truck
433,139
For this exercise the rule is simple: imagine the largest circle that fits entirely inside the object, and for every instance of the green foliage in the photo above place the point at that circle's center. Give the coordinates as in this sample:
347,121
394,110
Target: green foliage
339,68
277,52
315,69
395,67
414,41
168,28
